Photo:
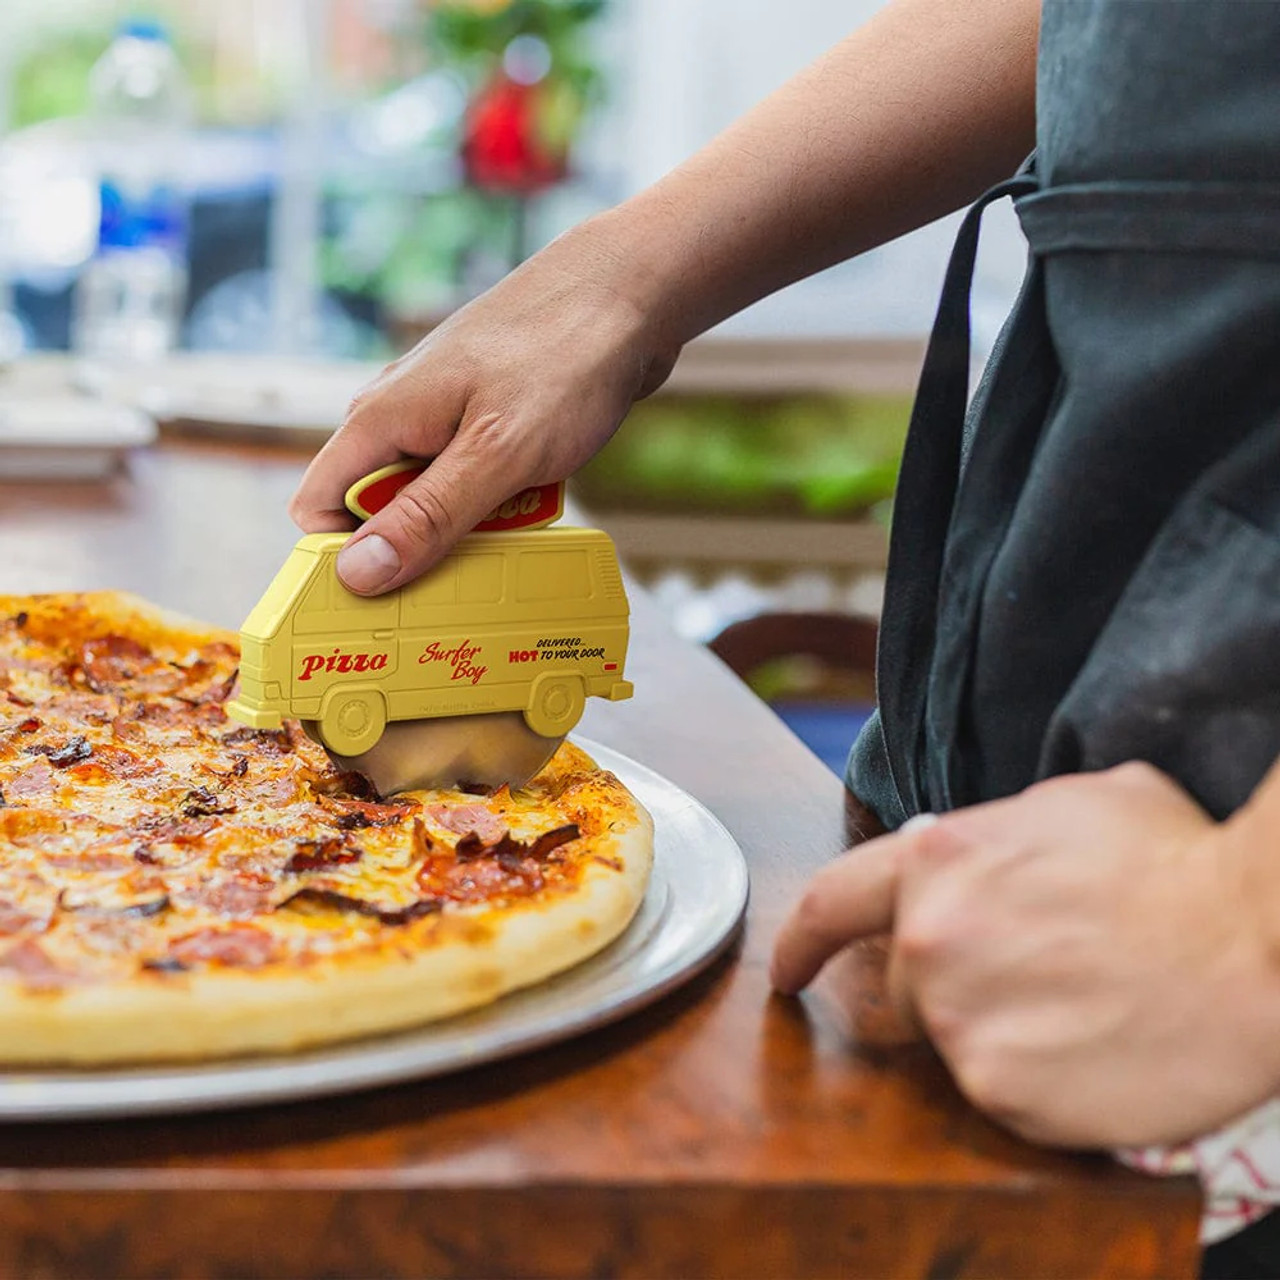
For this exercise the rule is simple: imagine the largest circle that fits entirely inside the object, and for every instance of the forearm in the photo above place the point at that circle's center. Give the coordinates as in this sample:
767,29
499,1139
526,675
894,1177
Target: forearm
910,117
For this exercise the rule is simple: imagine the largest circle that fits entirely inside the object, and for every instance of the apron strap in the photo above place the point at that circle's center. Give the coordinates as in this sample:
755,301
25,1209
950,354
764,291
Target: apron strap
1233,219
922,514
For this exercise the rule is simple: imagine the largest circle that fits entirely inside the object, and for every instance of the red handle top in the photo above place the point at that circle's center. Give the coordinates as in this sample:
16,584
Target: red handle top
529,509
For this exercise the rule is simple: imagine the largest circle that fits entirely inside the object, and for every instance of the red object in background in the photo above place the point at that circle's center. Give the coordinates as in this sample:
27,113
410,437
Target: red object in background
502,149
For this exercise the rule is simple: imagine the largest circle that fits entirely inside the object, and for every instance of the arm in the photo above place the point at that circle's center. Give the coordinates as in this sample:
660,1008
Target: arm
1097,960
906,119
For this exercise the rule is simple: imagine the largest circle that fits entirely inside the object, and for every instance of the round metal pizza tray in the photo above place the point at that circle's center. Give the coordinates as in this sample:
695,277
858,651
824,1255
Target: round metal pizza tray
690,914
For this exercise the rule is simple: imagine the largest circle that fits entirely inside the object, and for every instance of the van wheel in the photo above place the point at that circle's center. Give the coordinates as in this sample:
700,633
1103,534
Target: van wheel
555,705
352,720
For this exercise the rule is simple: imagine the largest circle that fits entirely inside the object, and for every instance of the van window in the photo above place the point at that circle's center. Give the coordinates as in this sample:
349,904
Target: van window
350,612
313,609
553,575
326,605
426,595
480,579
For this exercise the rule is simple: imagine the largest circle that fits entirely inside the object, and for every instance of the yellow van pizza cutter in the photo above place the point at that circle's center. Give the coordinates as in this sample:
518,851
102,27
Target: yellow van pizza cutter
472,674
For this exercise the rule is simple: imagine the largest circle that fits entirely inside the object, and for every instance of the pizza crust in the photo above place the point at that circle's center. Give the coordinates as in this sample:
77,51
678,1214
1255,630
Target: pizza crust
464,957
220,1014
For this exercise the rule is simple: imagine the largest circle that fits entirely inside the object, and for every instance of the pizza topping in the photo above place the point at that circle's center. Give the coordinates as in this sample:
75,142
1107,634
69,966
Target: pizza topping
71,752
221,690
350,785
237,769
112,762
89,860
345,902
119,848
549,840
329,851
483,880
234,897
201,802
35,780
13,919
29,960
468,819
155,905
161,828
355,814
244,946
471,846
274,742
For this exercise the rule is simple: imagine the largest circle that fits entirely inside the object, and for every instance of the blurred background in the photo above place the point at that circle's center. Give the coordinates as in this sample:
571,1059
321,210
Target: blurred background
222,216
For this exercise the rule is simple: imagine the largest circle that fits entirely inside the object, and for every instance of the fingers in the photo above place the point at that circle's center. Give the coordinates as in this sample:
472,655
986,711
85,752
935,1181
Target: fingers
317,506
425,519
850,899
395,417
906,1013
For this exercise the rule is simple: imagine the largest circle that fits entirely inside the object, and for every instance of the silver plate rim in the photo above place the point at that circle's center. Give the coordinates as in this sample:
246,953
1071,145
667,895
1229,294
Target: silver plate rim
678,932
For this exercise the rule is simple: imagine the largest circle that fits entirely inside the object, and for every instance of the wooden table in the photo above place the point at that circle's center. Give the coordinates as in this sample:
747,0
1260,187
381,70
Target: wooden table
724,1132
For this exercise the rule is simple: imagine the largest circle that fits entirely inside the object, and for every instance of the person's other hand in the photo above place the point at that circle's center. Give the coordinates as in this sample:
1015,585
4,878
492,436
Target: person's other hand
520,387
1090,957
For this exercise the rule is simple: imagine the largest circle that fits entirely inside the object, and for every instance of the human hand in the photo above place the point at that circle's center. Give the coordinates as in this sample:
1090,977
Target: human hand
1090,957
520,387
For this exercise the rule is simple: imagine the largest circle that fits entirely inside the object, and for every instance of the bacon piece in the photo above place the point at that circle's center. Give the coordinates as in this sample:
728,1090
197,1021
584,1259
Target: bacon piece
89,860
120,762
328,851
235,897
471,846
181,715
34,781
201,802
243,946
29,960
468,819
73,751
388,915
221,690
238,768
276,792
271,742
14,920
140,910
481,880
110,660
346,785
550,840
354,814
16,700
29,725
86,708
159,828
128,727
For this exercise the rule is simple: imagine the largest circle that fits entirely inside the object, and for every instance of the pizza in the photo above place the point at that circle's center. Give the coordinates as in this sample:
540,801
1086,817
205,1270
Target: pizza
175,886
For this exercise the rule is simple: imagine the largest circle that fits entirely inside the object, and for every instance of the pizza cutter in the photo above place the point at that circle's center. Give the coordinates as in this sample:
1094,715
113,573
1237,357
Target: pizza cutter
469,676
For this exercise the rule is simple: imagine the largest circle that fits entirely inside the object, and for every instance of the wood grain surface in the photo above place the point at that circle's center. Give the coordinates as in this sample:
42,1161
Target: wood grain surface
724,1132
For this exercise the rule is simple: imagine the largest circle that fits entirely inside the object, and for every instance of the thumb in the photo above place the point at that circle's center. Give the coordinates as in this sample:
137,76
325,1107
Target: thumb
409,535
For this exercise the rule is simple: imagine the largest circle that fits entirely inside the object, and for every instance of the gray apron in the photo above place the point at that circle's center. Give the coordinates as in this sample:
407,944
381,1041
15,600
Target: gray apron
1085,566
